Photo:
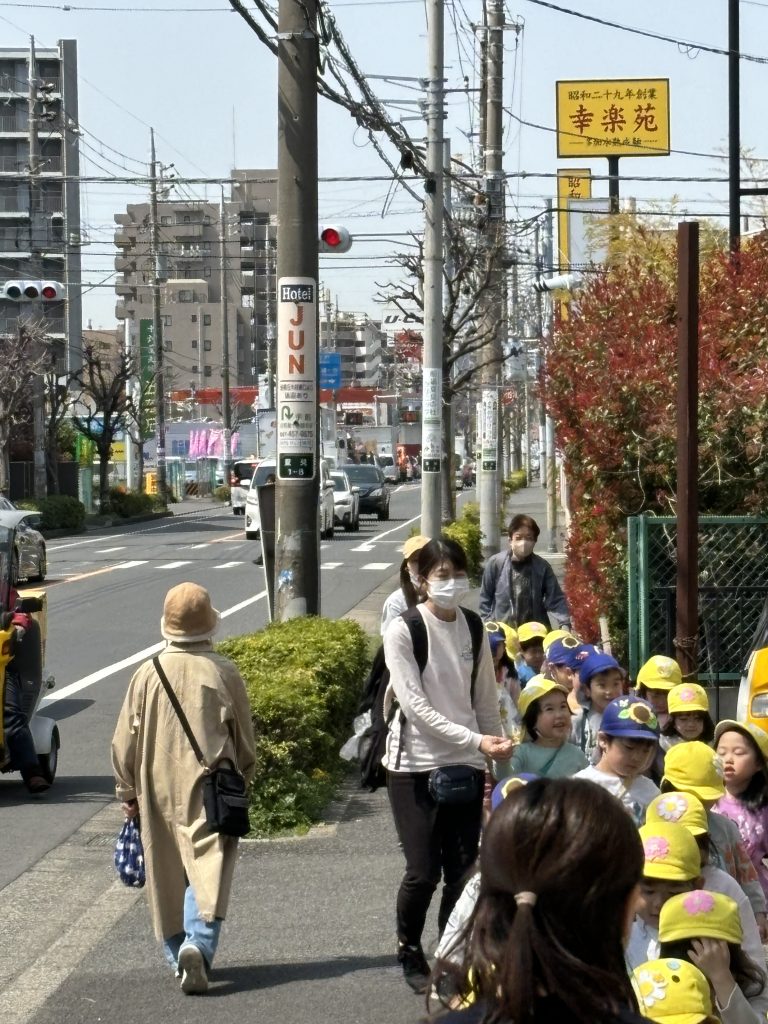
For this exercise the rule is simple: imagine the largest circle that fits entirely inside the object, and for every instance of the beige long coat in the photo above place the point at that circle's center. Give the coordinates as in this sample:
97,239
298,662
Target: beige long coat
154,763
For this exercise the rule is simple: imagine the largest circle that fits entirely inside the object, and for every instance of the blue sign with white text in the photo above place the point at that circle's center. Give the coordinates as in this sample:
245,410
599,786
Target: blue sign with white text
330,370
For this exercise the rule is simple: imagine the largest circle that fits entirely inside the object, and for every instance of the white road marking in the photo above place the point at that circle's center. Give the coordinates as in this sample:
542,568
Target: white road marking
168,524
331,565
130,565
109,551
133,659
227,565
363,547
172,565
376,565
196,547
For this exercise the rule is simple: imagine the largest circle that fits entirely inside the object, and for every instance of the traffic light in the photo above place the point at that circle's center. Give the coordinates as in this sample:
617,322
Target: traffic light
334,239
33,291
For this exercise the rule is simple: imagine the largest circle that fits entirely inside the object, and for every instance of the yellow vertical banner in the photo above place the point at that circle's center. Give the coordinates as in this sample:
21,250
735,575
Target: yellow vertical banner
571,184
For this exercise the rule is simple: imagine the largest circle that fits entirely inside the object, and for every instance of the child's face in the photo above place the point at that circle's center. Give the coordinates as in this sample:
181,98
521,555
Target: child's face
626,758
657,699
739,760
533,655
689,724
562,675
554,721
654,893
604,687
498,653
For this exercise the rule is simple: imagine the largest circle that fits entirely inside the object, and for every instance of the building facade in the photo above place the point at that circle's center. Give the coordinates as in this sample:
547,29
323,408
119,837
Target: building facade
191,293
361,344
39,190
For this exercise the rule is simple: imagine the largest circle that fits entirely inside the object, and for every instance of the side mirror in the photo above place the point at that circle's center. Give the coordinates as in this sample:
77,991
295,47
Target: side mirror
355,490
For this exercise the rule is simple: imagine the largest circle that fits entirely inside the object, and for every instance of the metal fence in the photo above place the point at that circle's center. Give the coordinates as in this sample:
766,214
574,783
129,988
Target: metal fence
733,585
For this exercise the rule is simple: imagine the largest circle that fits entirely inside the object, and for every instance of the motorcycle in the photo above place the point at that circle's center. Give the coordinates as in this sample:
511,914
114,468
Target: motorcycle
24,651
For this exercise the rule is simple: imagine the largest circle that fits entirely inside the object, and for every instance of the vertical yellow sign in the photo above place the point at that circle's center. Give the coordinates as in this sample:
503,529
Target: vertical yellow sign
571,184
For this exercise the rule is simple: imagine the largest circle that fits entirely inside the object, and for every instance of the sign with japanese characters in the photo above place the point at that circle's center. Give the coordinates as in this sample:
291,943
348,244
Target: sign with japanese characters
575,184
431,410
296,378
489,436
613,117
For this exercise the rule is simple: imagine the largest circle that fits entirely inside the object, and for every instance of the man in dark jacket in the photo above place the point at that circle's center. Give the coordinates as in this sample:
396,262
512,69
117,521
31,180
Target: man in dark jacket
519,586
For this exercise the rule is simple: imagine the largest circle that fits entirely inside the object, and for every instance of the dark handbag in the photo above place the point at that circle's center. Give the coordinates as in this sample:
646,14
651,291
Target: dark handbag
129,855
225,795
455,784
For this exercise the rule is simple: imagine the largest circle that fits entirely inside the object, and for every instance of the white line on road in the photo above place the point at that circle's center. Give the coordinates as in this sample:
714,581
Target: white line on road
118,666
331,565
130,565
109,551
376,565
172,565
227,565
363,547
196,547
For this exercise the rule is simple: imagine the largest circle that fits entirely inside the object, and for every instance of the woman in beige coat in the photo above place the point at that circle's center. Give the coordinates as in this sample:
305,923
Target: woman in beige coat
189,869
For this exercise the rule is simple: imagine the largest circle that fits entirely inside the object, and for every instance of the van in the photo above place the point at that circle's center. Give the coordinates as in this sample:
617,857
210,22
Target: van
267,468
239,482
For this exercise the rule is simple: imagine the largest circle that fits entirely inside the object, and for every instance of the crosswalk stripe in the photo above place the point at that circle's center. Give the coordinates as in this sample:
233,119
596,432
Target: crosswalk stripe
376,565
172,565
331,565
109,551
130,565
227,565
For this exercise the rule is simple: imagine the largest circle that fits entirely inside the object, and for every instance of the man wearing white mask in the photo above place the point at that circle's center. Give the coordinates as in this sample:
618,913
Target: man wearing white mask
445,723
519,586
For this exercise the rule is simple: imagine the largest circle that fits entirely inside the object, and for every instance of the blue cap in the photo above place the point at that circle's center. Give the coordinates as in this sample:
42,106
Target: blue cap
505,787
595,662
632,718
496,638
562,651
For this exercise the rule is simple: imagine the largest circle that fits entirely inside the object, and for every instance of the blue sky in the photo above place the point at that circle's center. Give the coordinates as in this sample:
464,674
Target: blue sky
185,72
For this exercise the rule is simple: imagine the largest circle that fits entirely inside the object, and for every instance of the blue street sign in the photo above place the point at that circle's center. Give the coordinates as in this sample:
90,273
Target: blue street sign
330,370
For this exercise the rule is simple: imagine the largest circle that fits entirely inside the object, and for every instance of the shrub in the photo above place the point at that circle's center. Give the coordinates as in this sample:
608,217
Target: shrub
129,503
221,493
304,679
466,531
61,512
514,482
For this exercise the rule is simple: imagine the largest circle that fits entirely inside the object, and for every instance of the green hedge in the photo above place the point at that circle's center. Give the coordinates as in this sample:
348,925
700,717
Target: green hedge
130,503
221,493
514,482
61,512
304,680
466,531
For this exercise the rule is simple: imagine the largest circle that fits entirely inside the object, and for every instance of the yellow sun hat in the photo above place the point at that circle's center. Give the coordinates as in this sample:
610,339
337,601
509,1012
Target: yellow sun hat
413,545
700,915
672,991
535,689
687,697
678,809
671,852
511,645
531,631
760,736
694,768
556,634
660,673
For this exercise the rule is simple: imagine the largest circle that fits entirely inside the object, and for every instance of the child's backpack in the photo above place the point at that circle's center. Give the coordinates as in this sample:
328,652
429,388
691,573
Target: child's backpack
373,742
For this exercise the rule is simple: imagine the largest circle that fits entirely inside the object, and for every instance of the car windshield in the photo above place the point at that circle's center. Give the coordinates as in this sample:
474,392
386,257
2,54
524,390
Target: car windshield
243,471
364,474
386,460
260,477
339,483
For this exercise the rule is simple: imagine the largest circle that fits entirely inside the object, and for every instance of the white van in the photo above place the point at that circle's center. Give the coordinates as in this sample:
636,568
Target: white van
267,468
240,481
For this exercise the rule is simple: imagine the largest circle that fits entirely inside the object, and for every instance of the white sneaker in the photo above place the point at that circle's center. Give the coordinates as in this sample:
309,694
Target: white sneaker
194,975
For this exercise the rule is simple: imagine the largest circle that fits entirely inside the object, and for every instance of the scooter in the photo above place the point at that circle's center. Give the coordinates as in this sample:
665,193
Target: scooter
26,655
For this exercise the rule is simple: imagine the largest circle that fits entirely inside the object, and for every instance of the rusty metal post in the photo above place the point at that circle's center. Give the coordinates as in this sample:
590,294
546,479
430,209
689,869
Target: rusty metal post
687,619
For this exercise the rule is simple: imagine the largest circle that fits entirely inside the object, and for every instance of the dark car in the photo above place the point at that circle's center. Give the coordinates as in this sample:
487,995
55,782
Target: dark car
374,493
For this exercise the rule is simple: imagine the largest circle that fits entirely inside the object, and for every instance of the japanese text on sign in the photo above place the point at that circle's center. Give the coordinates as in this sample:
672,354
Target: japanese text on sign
431,437
613,118
489,439
296,378
576,184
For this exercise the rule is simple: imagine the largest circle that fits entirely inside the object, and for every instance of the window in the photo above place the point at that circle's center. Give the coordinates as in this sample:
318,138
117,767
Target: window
186,295
206,271
207,345
167,321
186,219
195,368
193,318
165,220
168,345
207,220
246,300
207,319
194,343
208,371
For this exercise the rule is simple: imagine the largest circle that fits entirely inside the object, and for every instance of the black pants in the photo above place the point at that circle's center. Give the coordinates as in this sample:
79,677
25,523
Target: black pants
18,738
437,840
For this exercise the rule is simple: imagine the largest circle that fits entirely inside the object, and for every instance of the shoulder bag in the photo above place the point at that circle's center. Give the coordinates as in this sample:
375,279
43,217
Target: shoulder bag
225,796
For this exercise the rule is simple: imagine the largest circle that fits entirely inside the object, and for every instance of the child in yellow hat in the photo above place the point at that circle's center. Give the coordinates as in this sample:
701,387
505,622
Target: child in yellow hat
689,717
672,991
704,928
743,749
695,768
546,718
654,681
530,637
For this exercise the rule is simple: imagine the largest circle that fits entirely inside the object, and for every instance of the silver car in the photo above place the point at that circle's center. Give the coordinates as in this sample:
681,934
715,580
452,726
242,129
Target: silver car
30,561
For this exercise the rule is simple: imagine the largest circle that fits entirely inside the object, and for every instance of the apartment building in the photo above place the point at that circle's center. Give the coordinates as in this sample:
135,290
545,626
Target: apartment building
191,293
361,344
39,188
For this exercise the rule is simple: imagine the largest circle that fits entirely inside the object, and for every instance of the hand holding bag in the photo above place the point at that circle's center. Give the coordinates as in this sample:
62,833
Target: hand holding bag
225,795
129,855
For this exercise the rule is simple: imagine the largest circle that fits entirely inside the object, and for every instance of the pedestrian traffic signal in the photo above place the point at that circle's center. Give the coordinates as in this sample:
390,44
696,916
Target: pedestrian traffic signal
32,291
334,239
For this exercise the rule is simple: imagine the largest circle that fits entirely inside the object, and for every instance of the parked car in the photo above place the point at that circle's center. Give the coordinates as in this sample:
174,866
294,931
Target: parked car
240,481
267,468
346,501
30,559
374,492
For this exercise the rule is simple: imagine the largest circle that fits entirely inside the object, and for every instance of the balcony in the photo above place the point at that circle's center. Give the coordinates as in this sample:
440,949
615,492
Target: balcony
125,288
124,219
54,325
51,164
13,165
53,204
10,123
11,204
123,240
123,263
121,311
186,230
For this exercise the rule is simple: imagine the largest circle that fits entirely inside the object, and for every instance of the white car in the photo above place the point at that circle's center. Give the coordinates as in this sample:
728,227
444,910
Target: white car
346,502
240,481
389,468
268,468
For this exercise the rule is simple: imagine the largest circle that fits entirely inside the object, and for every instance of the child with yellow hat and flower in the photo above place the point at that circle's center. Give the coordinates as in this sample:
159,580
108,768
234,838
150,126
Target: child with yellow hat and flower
546,719
695,768
672,991
689,717
530,638
743,749
703,928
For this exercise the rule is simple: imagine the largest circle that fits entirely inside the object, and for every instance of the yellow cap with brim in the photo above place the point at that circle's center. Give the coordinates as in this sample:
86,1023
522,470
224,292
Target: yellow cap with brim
531,631
671,852
687,697
660,673
700,914
555,634
510,636
678,809
535,689
414,545
760,736
694,768
672,991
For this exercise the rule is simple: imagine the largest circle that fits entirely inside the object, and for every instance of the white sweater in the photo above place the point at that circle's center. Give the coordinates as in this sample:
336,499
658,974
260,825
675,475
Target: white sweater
442,725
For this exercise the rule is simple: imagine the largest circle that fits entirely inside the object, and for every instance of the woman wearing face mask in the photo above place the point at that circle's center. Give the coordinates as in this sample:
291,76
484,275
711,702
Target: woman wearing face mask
407,594
519,586
445,724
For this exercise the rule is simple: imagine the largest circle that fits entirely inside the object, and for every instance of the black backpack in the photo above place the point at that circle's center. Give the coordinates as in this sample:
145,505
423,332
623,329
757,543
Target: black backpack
373,742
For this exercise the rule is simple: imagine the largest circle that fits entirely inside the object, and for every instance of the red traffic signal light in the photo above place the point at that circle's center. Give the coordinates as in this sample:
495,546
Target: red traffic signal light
31,291
334,238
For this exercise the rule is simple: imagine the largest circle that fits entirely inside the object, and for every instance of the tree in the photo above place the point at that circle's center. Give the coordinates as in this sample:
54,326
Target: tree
104,405
21,357
58,404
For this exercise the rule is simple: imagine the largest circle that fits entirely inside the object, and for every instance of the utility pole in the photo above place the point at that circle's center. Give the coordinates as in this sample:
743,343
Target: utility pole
448,487
271,320
734,128
297,548
549,424
540,264
226,405
36,244
431,427
157,332
488,483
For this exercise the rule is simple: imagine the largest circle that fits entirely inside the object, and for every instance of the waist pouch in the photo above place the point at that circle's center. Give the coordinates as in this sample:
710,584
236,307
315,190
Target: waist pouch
225,800
456,784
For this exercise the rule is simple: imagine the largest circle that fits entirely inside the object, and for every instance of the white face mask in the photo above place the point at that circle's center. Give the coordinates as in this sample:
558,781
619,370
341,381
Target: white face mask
521,549
447,593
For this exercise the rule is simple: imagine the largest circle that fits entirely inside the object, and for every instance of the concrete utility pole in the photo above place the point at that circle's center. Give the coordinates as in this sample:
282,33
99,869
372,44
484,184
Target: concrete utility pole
431,426
226,405
734,129
540,264
297,548
551,467
488,483
36,245
157,330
